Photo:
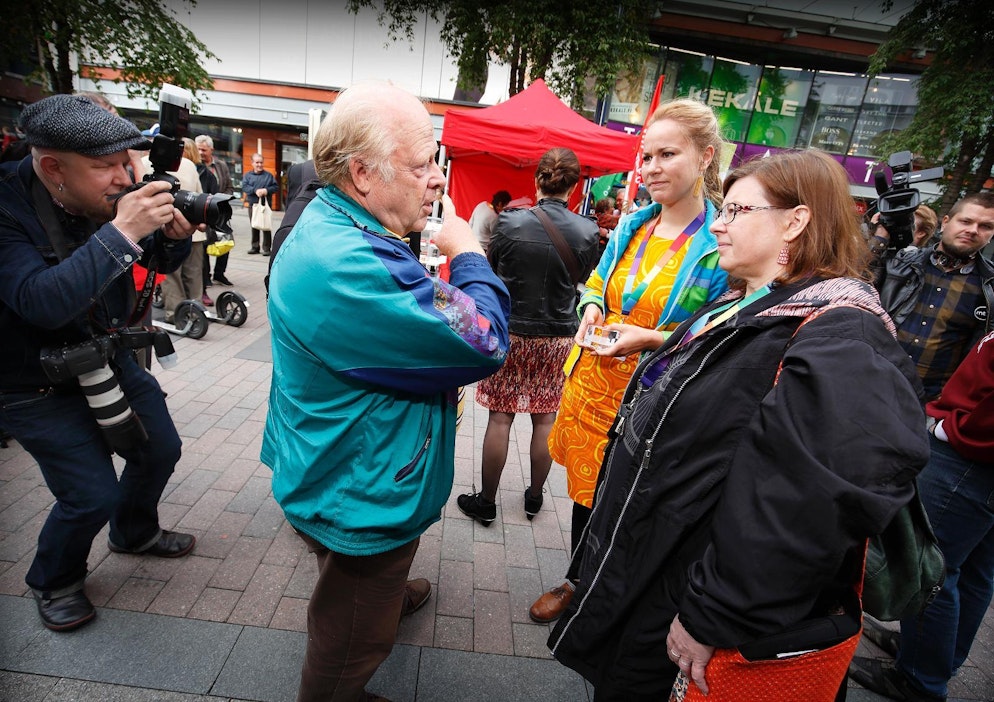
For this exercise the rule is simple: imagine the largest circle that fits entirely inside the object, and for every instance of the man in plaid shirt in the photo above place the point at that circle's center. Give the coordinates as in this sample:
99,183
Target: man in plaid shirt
941,296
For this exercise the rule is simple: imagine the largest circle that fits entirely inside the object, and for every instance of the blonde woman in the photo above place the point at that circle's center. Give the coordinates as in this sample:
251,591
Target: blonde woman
659,267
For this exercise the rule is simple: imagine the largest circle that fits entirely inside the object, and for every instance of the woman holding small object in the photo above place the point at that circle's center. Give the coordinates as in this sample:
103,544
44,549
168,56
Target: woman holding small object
745,474
660,265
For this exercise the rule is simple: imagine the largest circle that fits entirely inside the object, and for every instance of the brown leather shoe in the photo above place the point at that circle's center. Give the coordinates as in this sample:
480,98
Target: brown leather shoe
416,593
550,606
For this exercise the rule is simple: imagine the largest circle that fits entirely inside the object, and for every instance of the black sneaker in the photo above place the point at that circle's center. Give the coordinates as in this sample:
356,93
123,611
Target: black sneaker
532,504
885,679
474,505
888,640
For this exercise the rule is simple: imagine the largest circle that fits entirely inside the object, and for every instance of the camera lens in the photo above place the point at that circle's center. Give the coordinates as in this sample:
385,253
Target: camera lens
121,426
201,208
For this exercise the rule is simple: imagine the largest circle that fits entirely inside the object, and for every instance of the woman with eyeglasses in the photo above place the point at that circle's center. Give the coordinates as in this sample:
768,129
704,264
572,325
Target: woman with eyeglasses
660,265
753,455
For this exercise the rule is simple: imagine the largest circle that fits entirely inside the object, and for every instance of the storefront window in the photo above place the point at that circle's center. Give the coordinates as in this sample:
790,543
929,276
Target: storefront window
776,116
632,94
830,115
888,107
687,75
731,95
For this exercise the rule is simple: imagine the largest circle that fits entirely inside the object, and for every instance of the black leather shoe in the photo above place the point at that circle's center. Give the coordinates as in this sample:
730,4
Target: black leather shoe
171,544
265,252
254,250
222,280
65,613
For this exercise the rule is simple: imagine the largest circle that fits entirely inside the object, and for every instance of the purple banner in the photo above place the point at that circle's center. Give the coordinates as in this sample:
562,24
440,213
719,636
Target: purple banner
859,169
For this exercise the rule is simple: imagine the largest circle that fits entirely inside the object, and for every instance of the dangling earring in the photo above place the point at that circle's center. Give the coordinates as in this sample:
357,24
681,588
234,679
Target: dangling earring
783,258
698,186
60,187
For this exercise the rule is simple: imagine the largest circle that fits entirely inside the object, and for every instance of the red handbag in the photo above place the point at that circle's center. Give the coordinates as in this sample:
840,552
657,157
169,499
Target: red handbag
810,677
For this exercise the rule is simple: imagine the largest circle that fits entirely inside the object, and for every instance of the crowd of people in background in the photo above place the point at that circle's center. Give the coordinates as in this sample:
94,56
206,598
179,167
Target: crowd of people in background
742,379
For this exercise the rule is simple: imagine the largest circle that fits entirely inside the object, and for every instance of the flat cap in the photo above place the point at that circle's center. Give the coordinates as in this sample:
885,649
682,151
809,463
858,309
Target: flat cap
73,123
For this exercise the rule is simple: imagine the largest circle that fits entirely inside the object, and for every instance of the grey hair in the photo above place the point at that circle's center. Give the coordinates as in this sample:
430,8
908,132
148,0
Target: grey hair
355,128
206,140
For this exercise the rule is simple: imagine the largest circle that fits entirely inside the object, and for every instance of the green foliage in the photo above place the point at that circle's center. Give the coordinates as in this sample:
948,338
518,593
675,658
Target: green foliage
573,46
953,123
140,38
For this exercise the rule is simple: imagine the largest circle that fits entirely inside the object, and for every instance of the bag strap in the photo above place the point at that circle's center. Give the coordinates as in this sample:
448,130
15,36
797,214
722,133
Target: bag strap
565,252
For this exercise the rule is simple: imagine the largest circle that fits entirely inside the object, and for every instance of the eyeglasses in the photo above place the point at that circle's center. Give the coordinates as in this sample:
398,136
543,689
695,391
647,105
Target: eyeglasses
729,211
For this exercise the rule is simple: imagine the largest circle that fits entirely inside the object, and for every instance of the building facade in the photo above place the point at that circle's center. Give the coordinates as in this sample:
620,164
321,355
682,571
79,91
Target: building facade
776,77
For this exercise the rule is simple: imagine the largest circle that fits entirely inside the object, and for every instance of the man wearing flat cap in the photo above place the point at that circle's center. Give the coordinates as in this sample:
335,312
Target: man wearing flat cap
68,239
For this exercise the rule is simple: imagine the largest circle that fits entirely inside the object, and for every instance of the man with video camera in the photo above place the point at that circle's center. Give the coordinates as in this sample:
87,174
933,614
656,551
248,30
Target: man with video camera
941,296
71,227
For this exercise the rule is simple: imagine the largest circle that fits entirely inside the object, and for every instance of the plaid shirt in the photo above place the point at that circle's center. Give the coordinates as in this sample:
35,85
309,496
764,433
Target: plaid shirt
943,326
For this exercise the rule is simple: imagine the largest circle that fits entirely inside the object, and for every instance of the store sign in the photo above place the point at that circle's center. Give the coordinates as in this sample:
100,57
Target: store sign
744,101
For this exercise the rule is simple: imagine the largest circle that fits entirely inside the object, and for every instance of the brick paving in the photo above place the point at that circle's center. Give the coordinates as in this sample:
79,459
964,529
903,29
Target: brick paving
250,569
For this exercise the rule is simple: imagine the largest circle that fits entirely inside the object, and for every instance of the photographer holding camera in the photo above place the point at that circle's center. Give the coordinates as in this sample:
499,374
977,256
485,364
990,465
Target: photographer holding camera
71,227
941,296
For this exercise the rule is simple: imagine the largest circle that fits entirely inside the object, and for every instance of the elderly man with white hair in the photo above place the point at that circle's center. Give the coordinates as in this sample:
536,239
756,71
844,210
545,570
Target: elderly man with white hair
369,350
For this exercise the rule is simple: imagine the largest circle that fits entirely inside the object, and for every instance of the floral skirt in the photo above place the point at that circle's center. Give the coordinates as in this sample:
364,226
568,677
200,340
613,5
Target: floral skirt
531,379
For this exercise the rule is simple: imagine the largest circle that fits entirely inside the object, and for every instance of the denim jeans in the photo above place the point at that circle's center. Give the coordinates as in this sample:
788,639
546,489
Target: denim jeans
959,498
352,620
60,433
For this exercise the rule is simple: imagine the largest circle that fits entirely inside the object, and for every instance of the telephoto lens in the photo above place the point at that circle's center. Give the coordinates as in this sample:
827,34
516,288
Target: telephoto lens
121,426
87,362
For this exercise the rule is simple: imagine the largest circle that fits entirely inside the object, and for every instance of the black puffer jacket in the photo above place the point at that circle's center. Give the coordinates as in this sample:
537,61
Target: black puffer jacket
740,505
543,297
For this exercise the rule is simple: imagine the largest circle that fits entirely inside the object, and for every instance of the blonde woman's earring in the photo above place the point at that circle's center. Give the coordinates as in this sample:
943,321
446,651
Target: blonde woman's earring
783,258
698,186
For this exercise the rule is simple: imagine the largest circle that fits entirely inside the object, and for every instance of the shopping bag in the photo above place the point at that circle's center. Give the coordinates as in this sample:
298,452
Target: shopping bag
223,243
262,217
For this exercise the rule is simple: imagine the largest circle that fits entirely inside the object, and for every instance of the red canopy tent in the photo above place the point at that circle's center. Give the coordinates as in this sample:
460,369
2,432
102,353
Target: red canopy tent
497,148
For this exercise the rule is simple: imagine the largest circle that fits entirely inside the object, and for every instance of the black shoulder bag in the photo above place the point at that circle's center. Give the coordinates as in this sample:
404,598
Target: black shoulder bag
565,252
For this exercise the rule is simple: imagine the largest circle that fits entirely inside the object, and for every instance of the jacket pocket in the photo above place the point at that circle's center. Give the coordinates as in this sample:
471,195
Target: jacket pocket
408,468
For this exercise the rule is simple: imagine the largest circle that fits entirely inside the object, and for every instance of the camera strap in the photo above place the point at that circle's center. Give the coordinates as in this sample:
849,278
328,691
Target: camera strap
49,219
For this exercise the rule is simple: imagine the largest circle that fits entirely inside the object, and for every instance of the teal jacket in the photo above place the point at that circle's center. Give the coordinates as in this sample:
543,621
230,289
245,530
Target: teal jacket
368,353
698,281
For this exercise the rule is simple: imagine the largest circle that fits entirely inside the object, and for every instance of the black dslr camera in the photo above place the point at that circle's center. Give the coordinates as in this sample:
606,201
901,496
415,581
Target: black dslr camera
897,203
167,153
88,363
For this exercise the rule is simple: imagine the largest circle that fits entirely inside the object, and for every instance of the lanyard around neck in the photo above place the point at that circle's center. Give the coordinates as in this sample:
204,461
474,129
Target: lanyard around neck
702,325
633,293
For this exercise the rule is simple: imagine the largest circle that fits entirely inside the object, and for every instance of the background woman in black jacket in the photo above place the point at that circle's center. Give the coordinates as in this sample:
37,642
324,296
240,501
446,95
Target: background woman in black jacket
543,322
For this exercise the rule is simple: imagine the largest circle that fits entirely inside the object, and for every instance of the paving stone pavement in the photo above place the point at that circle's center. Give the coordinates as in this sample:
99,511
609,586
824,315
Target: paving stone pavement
227,622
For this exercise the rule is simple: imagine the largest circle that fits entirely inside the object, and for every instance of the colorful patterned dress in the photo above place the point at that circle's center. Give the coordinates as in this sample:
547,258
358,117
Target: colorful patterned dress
594,388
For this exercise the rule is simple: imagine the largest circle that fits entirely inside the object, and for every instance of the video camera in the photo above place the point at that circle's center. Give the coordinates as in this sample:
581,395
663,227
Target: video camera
88,362
167,154
897,203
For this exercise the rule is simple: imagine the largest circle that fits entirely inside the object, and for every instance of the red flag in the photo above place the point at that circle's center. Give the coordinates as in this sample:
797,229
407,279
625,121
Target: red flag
635,179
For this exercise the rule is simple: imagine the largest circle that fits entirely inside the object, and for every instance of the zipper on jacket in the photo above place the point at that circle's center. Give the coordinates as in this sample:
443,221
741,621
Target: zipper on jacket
642,467
406,470
692,376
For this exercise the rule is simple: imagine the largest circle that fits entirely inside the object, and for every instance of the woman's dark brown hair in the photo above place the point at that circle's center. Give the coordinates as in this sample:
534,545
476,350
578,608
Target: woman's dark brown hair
558,170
